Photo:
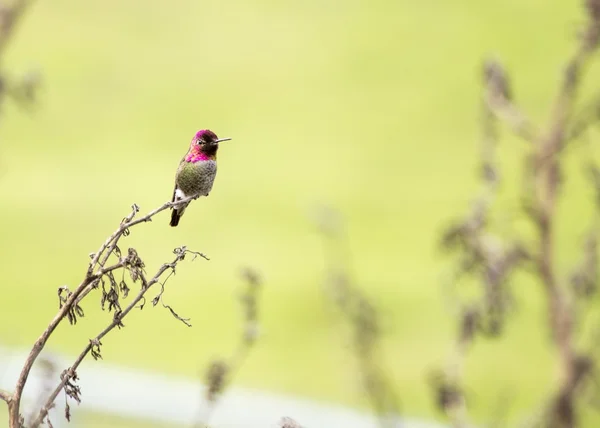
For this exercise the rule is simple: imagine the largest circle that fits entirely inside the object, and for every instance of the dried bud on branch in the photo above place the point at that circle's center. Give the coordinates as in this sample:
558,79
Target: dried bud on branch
496,80
215,379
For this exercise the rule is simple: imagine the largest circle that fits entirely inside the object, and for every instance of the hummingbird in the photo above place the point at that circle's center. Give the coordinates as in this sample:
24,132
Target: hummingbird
196,172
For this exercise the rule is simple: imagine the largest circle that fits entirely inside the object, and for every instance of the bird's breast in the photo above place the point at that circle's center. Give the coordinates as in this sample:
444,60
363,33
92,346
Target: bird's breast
197,177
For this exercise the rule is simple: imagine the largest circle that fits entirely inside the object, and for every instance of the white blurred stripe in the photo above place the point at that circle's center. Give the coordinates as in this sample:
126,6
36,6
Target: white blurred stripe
132,393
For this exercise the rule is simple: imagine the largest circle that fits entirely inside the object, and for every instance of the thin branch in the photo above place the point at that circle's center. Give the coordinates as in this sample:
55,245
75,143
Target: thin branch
221,372
480,257
564,102
543,185
498,100
159,298
73,300
516,120
584,119
95,342
108,247
38,346
5,396
9,18
561,315
129,222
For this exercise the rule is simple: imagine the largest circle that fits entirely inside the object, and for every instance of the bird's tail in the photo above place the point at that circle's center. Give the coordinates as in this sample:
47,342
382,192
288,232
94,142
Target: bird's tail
176,215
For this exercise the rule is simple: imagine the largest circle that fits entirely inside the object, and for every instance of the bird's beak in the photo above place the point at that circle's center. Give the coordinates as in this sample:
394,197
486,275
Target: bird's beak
222,139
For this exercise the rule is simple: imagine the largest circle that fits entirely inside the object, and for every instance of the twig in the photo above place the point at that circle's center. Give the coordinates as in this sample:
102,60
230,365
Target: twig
489,260
514,118
96,341
129,222
37,349
159,297
584,119
221,371
9,18
5,396
498,101
542,183
547,177
109,246
73,300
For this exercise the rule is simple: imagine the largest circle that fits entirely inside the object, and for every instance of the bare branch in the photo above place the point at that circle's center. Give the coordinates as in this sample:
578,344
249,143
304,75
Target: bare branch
583,120
110,245
480,254
94,345
221,371
159,298
86,285
9,18
39,345
514,118
5,396
494,263
563,104
126,224
498,98
547,176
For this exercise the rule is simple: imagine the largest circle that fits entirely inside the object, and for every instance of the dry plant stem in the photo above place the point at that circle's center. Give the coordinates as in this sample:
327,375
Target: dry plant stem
458,412
483,255
35,352
510,114
116,321
5,396
563,106
234,364
542,185
10,17
126,224
236,360
14,405
498,101
583,120
547,182
104,252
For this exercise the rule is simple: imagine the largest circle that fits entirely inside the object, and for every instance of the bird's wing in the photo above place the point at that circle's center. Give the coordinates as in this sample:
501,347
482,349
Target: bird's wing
175,187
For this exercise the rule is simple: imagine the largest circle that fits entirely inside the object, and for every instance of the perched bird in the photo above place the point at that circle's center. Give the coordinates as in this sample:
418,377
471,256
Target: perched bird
196,172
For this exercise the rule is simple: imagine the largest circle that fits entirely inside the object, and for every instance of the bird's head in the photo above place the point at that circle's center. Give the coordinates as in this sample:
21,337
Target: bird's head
207,141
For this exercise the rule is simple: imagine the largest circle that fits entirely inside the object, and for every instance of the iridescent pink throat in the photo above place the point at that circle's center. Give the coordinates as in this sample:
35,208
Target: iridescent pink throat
196,155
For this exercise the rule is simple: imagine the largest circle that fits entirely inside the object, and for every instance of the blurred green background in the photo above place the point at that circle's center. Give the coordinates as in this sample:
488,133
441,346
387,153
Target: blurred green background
371,107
